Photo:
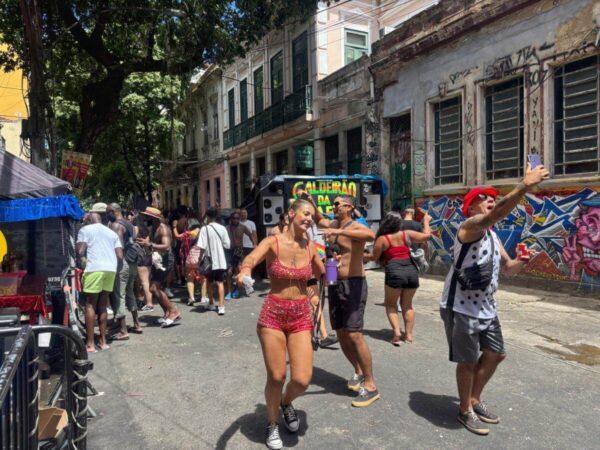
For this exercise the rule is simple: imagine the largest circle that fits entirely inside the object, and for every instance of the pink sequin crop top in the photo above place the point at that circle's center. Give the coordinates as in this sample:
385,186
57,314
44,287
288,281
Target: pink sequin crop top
278,270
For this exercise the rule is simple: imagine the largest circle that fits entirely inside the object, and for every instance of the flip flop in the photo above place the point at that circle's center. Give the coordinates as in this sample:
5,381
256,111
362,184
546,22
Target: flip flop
119,338
161,320
134,330
171,322
100,349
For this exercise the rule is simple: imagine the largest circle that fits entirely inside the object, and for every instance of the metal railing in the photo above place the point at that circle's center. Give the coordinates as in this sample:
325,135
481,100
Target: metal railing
293,106
19,393
19,387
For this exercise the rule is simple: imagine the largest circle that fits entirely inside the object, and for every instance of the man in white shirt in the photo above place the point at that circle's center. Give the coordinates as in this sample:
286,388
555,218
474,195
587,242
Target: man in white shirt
102,248
214,239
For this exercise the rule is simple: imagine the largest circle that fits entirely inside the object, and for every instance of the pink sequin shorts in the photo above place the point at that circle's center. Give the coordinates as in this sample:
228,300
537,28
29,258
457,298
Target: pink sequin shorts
289,316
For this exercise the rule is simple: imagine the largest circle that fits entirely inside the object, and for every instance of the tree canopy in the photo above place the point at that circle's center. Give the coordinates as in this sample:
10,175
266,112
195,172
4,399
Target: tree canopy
92,46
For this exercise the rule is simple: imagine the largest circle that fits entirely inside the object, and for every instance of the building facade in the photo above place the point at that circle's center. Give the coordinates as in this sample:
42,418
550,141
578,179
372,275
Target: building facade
298,102
466,91
195,177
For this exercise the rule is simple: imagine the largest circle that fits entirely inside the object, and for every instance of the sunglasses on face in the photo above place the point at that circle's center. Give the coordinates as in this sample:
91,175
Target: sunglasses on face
337,204
485,197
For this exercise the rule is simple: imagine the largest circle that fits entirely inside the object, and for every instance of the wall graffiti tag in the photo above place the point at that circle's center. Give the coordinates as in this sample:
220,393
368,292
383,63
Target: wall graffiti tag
563,228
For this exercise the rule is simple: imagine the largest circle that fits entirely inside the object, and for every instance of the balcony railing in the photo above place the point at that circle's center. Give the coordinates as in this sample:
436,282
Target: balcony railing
293,106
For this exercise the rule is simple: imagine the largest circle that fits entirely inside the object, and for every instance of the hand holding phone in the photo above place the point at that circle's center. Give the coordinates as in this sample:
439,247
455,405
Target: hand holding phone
534,160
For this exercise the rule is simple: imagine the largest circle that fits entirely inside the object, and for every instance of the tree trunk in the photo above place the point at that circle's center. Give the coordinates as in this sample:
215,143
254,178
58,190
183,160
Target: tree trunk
99,108
38,98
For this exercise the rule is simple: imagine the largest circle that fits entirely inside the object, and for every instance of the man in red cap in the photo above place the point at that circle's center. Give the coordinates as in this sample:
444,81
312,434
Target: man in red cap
468,306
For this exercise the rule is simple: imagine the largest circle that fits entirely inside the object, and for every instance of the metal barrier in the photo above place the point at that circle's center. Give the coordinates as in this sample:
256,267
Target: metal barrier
19,393
19,398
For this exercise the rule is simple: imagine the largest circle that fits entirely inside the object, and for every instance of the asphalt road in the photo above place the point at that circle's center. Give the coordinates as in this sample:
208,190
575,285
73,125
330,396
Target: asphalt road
200,385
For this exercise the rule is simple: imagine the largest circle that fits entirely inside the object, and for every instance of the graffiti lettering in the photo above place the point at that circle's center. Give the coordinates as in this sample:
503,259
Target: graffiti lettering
454,77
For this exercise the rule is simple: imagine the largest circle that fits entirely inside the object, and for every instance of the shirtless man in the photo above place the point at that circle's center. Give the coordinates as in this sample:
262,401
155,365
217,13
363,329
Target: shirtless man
348,298
161,243
123,295
235,254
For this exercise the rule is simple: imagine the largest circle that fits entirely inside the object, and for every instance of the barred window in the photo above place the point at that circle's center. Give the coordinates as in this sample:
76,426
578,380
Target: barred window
576,114
448,141
504,129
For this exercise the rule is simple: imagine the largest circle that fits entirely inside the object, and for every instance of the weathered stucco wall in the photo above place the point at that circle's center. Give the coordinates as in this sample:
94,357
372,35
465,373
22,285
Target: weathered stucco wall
563,220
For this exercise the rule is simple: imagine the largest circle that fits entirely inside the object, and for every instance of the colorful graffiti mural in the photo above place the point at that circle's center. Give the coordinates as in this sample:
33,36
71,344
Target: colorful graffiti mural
563,227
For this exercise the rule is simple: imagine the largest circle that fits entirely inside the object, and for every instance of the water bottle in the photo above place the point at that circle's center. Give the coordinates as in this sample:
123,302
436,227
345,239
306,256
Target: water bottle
331,268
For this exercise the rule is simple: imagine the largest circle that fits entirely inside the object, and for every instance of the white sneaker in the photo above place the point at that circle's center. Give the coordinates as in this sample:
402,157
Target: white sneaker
221,310
191,301
273,439
169,293
204,301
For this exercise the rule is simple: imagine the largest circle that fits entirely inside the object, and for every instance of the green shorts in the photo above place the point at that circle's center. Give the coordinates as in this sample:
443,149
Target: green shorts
96,282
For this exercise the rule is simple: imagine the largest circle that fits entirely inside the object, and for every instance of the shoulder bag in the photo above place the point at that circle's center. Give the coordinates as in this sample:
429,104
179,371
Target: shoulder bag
478,276
205,265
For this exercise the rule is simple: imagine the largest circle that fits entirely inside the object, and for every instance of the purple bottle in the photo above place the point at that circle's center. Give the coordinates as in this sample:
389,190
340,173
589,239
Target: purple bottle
331,271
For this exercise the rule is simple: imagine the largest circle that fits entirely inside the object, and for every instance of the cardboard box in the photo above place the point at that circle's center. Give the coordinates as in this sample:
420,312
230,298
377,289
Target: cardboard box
51,422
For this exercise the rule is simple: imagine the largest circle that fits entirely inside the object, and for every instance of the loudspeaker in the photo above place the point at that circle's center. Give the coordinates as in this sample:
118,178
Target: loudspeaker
372,203
271,208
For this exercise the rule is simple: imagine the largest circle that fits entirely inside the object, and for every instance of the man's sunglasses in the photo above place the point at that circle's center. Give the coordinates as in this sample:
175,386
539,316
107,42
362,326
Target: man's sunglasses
485,197
341,204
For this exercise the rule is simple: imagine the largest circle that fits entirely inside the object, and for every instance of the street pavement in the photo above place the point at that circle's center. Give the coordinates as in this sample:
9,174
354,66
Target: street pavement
200,385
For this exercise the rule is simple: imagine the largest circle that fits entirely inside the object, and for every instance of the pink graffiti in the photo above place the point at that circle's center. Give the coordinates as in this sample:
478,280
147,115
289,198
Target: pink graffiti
582,249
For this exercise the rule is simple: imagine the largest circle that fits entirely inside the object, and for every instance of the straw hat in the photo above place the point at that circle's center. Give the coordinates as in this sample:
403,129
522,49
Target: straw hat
99,208
152,212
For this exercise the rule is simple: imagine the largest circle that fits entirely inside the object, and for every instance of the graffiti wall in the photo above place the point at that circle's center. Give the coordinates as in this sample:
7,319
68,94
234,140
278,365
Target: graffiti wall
563,227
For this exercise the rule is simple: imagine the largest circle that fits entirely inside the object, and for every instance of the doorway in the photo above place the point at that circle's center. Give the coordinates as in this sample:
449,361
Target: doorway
400,149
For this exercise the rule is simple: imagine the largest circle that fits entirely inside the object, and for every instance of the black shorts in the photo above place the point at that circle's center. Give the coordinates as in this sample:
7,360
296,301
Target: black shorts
234,257
160,276
216,276
347,301
401,274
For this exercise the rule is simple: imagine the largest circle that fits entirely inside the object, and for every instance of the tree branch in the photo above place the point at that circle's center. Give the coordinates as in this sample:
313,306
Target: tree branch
94,47
125,151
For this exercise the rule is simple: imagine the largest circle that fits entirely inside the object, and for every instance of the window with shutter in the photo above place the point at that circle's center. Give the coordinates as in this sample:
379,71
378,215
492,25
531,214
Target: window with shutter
504,130
577,117
277,78
448,141
243,100
355,45
258,91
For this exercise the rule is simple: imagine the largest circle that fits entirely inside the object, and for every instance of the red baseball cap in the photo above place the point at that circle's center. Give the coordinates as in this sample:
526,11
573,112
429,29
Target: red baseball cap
474,193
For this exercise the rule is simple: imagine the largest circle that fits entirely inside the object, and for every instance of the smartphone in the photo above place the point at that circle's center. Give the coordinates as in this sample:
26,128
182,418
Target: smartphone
534,160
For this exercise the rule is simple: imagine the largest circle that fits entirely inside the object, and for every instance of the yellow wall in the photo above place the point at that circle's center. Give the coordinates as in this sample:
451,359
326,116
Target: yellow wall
12,108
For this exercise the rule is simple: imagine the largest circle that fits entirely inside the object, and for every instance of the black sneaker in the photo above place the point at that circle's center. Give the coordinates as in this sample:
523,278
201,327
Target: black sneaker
484,413
272,439
290,418
471,422
365,397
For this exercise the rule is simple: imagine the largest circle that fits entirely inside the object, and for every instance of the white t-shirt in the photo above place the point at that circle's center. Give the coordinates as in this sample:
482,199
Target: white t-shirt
101,242
252,228
208,240
475,303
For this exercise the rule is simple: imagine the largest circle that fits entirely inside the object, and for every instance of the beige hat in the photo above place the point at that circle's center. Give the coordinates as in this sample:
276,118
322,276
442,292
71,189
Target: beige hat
99,208
152,212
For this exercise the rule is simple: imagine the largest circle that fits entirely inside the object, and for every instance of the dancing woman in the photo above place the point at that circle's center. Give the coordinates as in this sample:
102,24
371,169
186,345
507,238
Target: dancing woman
285,321
392,246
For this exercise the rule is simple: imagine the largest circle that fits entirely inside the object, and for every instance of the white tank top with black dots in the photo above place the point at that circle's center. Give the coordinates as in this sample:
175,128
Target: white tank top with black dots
475,303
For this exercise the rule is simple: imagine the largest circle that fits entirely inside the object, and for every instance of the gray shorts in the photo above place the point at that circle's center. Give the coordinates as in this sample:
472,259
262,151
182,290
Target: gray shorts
468,336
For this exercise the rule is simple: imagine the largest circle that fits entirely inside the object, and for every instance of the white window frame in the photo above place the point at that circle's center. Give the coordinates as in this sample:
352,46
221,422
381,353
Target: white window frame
359,30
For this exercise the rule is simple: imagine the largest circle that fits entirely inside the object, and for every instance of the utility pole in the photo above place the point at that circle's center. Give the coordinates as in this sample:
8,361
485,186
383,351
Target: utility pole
38,97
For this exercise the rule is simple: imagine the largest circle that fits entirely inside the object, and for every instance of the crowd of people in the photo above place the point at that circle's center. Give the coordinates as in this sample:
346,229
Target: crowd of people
132,260
138,256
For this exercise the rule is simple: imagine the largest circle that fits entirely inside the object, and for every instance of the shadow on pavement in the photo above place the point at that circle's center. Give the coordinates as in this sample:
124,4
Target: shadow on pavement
330,382
440,410
253,425
385,334
149,321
